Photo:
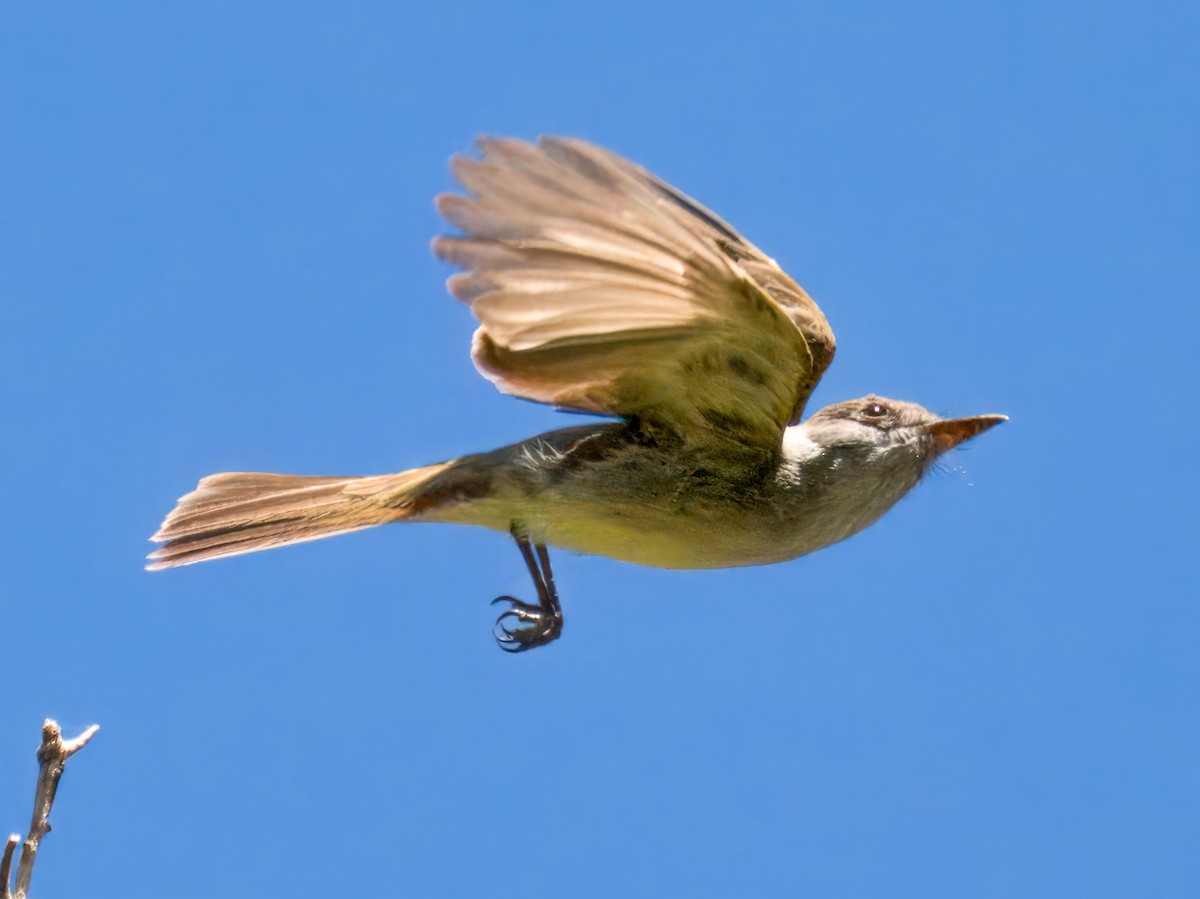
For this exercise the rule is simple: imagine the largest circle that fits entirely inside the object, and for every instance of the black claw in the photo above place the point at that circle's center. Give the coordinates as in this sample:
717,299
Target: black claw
520,609
543,627
504,637
544,621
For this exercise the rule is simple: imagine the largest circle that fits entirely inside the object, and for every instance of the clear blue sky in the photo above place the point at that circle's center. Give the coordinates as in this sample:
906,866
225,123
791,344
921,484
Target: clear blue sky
214,225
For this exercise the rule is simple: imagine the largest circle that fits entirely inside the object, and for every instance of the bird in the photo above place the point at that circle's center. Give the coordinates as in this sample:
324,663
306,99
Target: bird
600,288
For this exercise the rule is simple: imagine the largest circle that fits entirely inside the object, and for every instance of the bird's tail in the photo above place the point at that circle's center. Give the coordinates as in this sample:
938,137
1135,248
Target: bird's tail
241,512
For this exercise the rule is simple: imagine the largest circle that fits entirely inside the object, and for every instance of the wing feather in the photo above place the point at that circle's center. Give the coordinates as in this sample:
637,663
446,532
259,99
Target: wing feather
600,288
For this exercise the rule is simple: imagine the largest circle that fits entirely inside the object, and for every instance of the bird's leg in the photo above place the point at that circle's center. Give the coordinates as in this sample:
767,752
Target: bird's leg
543,621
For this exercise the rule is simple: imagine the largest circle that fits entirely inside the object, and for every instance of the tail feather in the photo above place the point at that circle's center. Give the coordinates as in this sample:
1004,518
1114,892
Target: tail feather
240,512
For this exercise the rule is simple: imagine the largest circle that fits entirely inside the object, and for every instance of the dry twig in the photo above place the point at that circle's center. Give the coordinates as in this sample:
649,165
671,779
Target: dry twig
52,756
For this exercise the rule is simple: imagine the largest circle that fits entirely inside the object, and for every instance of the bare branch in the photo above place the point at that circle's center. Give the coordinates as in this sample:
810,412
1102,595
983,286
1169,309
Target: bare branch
52,756
14,840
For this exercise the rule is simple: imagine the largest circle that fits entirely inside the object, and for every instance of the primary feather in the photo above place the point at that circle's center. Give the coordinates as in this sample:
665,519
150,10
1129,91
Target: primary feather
600,288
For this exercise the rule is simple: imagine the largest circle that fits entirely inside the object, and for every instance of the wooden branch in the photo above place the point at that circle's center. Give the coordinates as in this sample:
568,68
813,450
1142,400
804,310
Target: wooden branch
14,840
52,756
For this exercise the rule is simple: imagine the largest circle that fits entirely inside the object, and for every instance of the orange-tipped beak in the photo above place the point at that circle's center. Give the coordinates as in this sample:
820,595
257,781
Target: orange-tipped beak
953,431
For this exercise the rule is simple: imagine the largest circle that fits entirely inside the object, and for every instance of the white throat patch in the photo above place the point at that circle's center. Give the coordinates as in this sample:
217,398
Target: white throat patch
798,447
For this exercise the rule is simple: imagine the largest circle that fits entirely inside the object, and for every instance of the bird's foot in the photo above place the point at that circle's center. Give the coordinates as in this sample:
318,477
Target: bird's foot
544,624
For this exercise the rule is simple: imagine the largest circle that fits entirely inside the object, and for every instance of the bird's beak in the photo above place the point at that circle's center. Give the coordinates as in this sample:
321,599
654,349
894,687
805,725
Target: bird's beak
950,432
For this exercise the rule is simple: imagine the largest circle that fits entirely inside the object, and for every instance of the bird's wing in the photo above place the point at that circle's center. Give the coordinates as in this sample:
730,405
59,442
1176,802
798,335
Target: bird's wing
602,289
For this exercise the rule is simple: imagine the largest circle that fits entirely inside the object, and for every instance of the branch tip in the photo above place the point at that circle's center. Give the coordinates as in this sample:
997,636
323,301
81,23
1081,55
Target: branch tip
14,840
70,747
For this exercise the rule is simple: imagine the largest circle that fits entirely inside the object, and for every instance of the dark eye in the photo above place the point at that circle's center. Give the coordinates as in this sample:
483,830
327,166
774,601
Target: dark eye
876,410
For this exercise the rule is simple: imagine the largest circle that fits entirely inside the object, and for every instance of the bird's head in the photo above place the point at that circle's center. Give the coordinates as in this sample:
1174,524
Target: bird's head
891,432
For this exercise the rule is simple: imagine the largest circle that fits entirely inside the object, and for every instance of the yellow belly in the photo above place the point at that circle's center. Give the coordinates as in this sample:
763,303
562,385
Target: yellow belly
643,534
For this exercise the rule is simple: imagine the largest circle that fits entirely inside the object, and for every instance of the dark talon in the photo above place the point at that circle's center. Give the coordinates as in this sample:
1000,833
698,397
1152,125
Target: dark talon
543,626
544,620
518,607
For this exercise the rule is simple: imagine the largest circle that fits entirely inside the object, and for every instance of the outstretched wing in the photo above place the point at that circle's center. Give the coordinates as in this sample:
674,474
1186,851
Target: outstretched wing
600,288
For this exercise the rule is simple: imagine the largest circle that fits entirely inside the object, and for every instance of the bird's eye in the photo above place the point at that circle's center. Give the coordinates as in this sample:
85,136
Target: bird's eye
875,410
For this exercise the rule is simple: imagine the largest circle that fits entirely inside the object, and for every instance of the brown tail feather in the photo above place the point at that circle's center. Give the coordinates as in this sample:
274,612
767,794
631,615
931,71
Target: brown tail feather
240,512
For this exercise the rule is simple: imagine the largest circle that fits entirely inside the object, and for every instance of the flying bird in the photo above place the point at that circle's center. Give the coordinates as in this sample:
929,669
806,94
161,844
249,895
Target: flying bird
600,288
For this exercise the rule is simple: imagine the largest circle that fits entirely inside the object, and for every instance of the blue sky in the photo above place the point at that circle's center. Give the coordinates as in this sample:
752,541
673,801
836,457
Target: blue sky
214,225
